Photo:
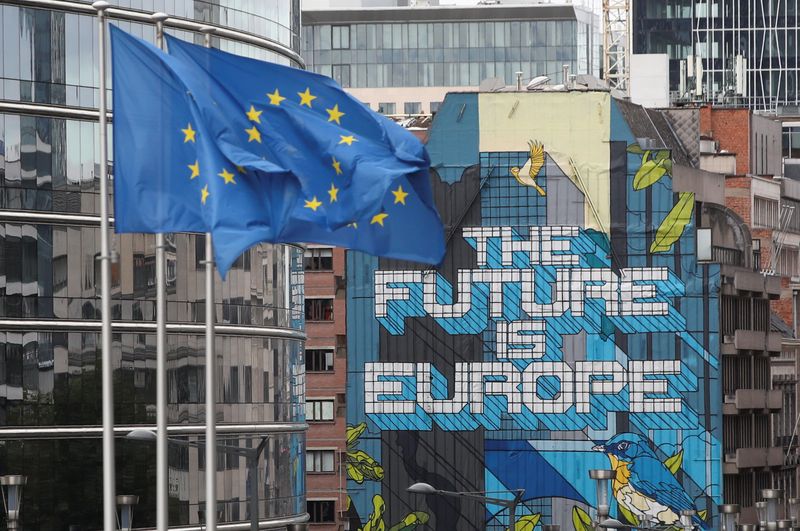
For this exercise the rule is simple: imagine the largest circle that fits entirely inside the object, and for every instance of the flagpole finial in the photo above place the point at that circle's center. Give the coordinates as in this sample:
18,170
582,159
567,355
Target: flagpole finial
159,17
101,5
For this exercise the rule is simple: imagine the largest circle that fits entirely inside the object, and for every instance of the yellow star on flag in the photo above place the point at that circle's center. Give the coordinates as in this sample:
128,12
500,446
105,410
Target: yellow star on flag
306,98
337,166
378,218
253,115
275,98
241,170
347,140
195,170
204,194
333,192
253,134
313,204
400,195
188,134
334,114
227,176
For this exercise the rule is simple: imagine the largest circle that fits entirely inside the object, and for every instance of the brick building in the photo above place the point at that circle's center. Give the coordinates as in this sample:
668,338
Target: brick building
326,369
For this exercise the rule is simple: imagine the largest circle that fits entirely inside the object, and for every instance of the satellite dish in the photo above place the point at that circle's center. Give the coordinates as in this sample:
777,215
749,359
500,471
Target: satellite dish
537,82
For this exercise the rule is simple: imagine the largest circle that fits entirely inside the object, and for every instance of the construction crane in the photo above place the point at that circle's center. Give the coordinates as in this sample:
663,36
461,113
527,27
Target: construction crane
616,43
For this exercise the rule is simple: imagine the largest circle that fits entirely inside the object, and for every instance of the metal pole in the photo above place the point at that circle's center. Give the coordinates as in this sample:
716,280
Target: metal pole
211,417
162,473
109,479
252,466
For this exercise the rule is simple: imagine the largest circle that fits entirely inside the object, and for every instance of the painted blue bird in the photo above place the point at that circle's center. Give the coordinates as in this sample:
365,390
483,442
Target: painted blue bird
643,484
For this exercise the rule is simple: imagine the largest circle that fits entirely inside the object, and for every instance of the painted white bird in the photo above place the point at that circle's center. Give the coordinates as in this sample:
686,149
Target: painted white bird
530,170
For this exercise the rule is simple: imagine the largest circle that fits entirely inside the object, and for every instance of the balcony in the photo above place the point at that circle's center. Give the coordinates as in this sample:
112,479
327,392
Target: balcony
761,399
753,458
757,282
757,340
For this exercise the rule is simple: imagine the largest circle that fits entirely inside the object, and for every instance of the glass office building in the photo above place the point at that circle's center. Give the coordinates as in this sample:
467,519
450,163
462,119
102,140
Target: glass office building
448,46
50,360
761,32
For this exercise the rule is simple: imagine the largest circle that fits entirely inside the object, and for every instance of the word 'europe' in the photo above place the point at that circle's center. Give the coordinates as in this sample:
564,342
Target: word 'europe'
525,295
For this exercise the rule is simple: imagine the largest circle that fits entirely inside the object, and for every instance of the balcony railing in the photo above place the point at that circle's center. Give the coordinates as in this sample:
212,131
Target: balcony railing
727,255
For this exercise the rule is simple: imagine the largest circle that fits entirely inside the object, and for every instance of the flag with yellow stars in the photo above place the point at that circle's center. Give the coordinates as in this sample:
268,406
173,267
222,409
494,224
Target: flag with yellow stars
252,151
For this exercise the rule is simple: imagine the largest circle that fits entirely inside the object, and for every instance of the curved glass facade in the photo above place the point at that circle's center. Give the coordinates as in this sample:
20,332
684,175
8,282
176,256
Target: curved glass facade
50,359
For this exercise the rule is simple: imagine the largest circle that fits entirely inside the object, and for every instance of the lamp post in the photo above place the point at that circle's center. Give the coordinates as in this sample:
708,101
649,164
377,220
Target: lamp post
12,497
761,514
602,479
252,456
728,516
794,511
425,488
126,503
772,499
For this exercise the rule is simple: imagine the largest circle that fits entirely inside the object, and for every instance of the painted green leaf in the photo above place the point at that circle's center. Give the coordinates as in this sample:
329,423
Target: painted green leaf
649,173
354,432
411,521
674,224
527,522
662,154
674,463
581,520
361,466
635,149
628,516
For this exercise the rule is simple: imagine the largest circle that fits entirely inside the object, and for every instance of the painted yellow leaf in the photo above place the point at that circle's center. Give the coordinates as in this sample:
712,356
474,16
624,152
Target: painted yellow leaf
375,521
629,517
674,463
702,514
581,520
527,522
361,466
354,432
674,224
650,172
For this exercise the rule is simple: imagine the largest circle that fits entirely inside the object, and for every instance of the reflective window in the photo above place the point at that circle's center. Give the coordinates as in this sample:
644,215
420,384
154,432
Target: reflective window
412,107
319,309
387,108
320,461
319,410
318,259
340,37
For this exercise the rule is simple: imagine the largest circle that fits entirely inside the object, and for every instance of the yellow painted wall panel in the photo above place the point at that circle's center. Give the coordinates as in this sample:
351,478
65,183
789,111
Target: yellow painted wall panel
573,126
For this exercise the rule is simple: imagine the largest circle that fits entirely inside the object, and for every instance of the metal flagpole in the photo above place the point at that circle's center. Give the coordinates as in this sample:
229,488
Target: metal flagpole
211,386
162,473
109,479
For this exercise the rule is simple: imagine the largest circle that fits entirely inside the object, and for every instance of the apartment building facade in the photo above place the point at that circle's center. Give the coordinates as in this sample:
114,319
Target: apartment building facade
326,370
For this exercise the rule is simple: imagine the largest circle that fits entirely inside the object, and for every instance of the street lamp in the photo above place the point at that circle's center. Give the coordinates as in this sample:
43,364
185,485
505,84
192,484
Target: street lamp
252,456
728,515
602,478
126,502
425,488
12,497
761,514
794,511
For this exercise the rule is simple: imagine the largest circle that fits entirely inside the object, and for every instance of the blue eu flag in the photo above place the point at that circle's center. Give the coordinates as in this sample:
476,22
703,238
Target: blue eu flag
205,141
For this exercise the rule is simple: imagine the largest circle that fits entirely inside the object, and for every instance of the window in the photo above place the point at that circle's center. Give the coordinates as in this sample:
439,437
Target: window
318,259
319,309
765,212
341,73
320,461
787,262
386,108
435,106
412,107
319,410
340,37
319,360
321,511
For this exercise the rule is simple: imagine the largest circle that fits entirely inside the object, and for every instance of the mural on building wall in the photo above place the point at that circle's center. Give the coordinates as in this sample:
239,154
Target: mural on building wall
570,328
